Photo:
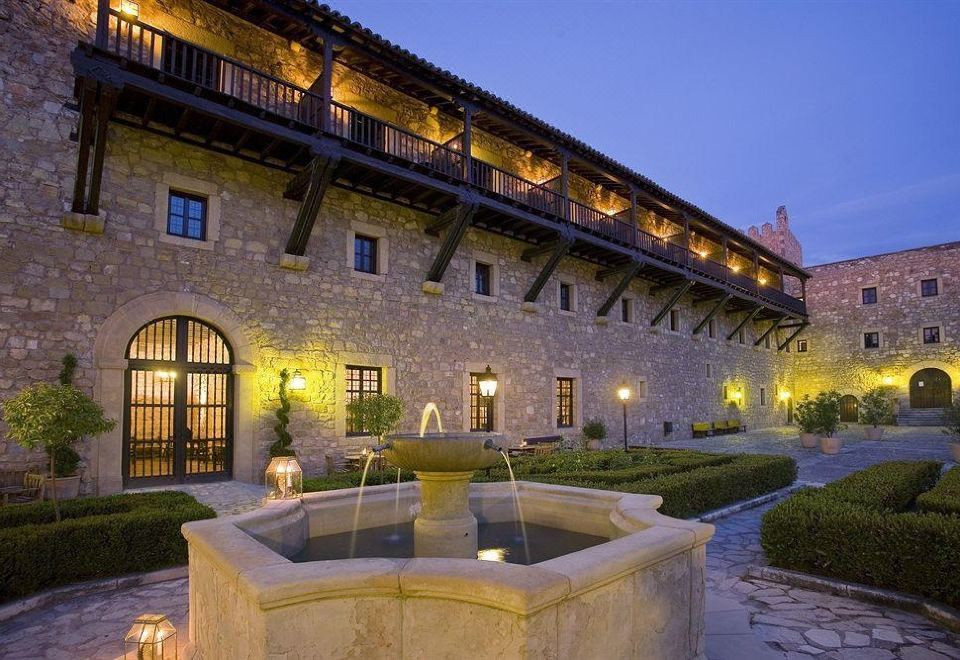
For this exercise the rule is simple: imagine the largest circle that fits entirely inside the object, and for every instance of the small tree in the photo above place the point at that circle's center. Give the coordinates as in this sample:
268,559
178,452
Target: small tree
281,447
594,429
951,420
827,413
377,415
806,415
53,416
65,457
876,407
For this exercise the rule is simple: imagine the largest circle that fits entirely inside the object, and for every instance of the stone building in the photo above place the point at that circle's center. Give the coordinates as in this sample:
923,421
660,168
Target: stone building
203,193
779,238
889,319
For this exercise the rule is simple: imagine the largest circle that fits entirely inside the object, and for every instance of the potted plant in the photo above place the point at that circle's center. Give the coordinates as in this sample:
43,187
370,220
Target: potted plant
53,416
827,413
594,432
281,446
66,485
952,424
378,415
807,422
875,409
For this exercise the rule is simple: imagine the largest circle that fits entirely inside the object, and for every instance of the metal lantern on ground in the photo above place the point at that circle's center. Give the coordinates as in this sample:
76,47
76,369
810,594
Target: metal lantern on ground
623,393
151,637
298,382
284,478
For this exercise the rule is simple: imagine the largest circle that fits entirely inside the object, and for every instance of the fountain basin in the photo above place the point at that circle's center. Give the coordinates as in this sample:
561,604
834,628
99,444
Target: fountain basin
443,452
638,595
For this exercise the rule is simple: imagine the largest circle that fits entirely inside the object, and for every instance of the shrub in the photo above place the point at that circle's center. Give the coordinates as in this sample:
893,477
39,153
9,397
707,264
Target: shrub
352,480
945,496
826,411
594,429
890,486
806,415
876,407
98,537
951,420
611,477
817,533
378,414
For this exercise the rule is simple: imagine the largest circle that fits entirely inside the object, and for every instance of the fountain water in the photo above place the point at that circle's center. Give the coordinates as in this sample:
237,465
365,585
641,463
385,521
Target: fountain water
356,511
516,502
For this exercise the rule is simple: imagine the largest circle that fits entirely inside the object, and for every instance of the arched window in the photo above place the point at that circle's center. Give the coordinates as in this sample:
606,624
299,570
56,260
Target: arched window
179,403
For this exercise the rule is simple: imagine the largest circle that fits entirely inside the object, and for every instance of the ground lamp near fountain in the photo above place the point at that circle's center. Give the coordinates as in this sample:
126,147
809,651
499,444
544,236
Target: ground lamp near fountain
284,478
151,637
624,395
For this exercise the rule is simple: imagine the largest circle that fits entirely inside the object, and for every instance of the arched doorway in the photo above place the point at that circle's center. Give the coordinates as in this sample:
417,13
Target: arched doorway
178,404
930,388
849,412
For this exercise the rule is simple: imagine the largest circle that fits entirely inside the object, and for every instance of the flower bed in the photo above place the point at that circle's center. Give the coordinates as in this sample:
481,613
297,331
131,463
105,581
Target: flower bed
98,537
862,529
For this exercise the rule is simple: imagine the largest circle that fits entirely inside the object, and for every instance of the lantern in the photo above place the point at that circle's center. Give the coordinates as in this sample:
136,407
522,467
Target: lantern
152,637
130,9
488,383
623,393
297,382
784,395
284,478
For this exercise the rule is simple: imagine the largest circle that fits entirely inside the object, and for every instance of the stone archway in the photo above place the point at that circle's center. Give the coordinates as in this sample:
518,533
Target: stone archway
110,363
849,409
930,388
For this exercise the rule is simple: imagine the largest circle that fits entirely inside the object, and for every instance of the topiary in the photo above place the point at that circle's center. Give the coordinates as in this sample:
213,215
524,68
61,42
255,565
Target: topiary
281,447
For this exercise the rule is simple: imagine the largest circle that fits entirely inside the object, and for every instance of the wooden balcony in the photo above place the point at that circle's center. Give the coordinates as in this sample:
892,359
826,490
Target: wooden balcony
162,83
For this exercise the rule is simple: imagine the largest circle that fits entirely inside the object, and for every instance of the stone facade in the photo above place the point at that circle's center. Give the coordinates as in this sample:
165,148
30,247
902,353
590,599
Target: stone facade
836,357
63,290
779,238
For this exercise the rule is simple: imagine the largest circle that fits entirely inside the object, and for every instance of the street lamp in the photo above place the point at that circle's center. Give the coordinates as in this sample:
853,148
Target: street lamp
624,395
488,389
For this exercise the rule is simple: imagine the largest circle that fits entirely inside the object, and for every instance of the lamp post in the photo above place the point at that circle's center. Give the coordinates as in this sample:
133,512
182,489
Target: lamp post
624,395
488,389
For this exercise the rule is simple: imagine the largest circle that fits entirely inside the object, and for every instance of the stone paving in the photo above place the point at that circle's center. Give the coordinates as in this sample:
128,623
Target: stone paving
747,618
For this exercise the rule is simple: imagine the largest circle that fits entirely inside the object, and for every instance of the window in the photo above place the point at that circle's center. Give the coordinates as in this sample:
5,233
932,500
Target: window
712,328
187,216
766,341
709,370
365,254
741,337
869,295
929,288
566,297
931,335
871,340
361,382
482,279
801,346
626,310
481,407
564,402
763,396
675,320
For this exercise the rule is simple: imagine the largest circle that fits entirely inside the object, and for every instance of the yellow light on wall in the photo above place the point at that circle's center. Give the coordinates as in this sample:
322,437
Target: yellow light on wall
297,382
737,394
152,637
762,280
130,9
284,478
734,267
623,393
784,395
887,380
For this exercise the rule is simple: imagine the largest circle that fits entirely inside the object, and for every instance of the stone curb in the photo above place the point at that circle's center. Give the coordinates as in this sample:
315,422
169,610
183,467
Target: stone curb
60,594
716,514
931,609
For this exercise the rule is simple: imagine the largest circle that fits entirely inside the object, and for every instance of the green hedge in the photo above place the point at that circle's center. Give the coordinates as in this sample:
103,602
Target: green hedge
99,537
352,480
861,532
890,486
945,496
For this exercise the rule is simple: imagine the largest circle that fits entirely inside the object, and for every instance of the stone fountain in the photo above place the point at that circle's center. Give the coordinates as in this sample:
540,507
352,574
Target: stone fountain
607,576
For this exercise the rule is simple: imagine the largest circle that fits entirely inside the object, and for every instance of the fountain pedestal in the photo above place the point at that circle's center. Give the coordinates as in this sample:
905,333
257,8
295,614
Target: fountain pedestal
445,527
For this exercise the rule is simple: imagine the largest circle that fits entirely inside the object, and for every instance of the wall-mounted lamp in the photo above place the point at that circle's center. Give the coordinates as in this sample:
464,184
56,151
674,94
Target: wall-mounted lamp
297,382
130,9
887,380
737,395
488,383
784,395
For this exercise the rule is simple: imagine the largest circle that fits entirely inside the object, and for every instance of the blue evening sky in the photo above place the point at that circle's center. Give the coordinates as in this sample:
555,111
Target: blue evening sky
848,113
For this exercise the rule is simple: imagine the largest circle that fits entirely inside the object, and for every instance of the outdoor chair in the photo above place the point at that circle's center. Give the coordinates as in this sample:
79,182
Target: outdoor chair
336,462
734,425
702,429
32,490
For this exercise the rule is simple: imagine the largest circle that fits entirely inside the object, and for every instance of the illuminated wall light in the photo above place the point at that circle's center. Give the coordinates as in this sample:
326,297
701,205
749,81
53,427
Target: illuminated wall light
887,380
297,382
762,280
734,267
784,395
130,9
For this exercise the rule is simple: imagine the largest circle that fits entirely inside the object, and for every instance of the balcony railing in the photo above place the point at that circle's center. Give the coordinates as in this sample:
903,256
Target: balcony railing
196,66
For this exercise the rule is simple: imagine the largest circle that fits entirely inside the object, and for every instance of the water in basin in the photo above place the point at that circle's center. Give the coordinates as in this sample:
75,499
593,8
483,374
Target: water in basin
499,541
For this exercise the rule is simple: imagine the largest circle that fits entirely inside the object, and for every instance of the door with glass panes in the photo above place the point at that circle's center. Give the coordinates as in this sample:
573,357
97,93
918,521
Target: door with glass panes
178,421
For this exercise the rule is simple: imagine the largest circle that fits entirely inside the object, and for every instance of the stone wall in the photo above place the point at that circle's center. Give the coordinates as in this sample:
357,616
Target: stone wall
836,358
780,238
58,288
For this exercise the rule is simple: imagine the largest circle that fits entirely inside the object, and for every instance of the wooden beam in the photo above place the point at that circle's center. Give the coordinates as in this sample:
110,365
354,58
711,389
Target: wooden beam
617,270
326,84
559,249
654,290
682,289
628,275
88,99
793,336
467,142
721,303
464,212
108,101
746,319
322,170
773,326
542,249
103,24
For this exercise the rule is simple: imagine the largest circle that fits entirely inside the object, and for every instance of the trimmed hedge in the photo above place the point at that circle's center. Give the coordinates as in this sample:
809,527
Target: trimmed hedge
945,496
99,537
352,480
861,532
890,486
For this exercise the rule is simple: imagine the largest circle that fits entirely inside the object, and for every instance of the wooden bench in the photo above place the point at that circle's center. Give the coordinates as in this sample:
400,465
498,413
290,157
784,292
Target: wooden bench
538,446
31,490
701,429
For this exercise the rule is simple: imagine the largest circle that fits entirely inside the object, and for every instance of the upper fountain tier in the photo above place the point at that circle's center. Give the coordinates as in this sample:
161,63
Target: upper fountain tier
443,452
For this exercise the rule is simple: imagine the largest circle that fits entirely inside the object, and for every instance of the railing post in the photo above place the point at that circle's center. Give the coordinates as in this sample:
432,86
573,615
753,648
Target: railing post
686,238
326,84
634,224
726,254
102,39
756,269
565,182
467,142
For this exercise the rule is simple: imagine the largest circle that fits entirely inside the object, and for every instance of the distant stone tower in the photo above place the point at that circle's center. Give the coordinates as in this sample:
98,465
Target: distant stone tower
779,239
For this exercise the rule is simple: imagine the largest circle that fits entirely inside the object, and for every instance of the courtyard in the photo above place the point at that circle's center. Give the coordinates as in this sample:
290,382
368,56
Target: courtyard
747,617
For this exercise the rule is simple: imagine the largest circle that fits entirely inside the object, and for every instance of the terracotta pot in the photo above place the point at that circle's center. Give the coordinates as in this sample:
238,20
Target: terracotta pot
830,445
955,450
873,432
593,444
808,440
68,488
